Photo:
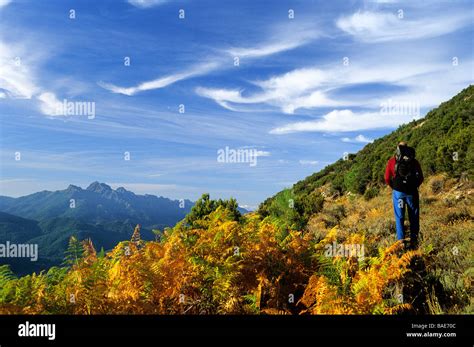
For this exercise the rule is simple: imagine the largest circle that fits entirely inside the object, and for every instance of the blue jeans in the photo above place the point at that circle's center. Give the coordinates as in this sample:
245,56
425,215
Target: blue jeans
400,201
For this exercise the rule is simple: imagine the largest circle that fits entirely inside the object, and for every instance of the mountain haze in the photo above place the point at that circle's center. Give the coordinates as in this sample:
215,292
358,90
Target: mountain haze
105,215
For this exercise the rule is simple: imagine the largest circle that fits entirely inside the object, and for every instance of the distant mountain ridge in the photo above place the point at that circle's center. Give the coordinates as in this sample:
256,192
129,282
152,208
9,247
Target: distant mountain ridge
98,203
105,215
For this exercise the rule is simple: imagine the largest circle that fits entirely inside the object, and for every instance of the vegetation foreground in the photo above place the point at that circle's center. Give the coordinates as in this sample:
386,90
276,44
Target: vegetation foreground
325,246
219,262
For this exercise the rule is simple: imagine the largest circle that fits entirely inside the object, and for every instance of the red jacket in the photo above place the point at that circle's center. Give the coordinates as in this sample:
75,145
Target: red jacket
390,171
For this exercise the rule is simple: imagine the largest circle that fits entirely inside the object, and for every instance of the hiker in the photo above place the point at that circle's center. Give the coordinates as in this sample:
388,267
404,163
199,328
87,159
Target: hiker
403,174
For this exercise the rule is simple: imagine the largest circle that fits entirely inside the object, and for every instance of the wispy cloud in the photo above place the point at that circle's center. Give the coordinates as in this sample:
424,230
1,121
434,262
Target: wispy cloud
384,1
259,153
18,70
49,104
16,80
309,162
162,81
281,42
4,3
262,51
276,43
359,138
314,87
146,3
293,90
202,69
370,26
343,121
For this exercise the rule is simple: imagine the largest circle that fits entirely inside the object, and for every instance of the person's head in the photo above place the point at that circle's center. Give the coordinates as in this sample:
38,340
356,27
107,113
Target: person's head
400,144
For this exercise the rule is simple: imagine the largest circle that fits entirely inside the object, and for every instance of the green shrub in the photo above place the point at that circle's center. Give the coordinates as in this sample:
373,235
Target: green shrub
371,193
205,206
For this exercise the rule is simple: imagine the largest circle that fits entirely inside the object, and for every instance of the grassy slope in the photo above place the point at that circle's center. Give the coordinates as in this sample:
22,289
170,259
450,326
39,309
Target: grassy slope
446,201
446,238
443,131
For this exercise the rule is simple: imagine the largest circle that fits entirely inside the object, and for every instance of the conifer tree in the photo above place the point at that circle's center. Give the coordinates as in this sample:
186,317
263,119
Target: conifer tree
74,252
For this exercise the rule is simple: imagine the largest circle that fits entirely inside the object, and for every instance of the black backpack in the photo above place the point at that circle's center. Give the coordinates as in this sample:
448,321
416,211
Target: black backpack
406,174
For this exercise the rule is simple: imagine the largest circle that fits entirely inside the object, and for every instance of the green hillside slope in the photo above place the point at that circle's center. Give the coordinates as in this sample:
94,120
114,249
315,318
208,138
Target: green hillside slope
443,143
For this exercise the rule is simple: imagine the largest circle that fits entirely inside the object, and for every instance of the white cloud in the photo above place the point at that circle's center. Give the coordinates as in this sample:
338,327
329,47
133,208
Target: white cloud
309,162
50,105
16,77
16,80
295,81
202,69
258,152
286,36
4,3
290,91
262,153
370,26
160,82
311,87
344,121
314,99
281,42
229,95
262,51
155,175
18,70
359,138
146,3
221,94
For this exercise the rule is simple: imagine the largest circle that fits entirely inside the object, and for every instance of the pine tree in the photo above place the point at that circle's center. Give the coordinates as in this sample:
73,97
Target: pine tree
74,252
101,253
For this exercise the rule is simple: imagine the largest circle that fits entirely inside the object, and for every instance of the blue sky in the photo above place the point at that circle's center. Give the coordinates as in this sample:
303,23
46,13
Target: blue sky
305,90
